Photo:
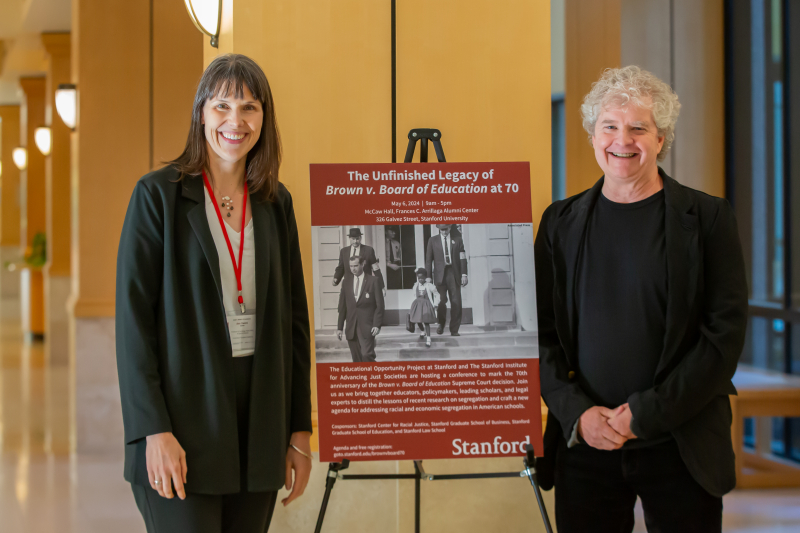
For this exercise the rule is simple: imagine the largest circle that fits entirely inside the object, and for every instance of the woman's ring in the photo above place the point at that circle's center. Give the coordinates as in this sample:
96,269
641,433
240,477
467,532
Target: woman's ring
158,482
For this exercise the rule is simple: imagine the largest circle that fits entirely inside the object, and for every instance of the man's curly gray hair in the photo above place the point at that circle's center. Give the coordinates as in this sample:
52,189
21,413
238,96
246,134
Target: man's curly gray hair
621,86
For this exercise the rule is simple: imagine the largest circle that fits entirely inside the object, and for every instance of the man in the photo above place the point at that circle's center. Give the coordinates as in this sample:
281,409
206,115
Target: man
642,303
446,256
361,306
394,259
356,249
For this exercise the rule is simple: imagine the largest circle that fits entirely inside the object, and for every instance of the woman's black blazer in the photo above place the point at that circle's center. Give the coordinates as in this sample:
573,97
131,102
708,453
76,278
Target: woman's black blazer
173,351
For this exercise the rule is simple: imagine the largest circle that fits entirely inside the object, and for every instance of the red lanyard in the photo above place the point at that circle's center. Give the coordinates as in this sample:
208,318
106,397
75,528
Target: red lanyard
236,270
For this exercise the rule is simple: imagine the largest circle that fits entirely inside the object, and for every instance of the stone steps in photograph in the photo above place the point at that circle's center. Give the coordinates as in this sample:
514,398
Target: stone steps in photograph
397,338
436,351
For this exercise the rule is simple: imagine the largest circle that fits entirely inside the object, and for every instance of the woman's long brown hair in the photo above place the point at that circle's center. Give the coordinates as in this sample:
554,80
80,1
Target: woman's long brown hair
227,74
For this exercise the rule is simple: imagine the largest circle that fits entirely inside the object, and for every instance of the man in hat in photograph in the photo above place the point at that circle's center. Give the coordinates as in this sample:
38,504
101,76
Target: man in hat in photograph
361,306
446,258
356,249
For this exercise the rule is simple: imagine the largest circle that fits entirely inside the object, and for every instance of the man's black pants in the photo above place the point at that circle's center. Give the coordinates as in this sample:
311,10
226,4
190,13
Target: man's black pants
452,287
596,491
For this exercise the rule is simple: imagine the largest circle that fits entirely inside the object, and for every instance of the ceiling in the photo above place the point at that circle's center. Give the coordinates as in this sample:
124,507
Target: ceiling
21,24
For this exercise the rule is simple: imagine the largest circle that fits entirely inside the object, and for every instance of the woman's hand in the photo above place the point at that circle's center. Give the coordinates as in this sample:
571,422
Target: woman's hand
166,463
300,464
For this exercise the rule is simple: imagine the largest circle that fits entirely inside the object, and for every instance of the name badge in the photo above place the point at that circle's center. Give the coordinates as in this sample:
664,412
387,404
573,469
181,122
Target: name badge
242,329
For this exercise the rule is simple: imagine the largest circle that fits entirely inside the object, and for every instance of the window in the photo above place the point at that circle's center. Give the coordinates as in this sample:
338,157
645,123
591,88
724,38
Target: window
763,181
401,257
559,145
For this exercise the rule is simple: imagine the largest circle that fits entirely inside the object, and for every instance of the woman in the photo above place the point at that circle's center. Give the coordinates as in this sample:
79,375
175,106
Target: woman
212,327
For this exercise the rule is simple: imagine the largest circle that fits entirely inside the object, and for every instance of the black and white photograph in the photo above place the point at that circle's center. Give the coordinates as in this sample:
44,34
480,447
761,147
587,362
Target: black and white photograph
424,292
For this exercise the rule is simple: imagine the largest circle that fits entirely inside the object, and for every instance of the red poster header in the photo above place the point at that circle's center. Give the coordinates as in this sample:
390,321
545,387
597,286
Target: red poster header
420,193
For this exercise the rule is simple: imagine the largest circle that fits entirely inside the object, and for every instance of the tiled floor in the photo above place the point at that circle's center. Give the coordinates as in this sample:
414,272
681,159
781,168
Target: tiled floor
45,489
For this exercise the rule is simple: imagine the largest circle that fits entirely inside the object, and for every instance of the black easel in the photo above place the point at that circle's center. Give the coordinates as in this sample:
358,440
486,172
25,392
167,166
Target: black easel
334,469
424,135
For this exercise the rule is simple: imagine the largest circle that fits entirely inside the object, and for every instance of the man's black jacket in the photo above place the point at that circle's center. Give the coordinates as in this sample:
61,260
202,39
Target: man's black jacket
705,329
371,264
362,313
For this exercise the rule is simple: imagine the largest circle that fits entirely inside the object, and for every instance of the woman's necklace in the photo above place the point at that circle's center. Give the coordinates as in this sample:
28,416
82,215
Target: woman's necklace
227,204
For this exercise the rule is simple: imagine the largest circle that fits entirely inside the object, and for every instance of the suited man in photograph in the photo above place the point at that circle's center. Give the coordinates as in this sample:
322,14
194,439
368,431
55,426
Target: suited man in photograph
356,249
642,307
361,306
446,259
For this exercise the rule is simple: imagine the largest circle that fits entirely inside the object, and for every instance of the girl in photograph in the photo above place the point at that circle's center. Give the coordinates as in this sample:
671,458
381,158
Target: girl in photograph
423,308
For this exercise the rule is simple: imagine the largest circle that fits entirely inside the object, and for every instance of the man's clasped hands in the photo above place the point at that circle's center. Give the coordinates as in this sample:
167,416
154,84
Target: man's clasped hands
606,429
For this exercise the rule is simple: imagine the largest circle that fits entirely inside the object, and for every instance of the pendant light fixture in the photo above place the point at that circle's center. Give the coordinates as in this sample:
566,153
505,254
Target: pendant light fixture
67,104
206,15
20,157
44,140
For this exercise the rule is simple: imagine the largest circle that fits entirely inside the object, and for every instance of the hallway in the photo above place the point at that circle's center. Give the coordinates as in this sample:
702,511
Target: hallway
43,488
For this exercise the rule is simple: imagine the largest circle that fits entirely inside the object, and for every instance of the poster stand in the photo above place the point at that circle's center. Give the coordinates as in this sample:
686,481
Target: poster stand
335,469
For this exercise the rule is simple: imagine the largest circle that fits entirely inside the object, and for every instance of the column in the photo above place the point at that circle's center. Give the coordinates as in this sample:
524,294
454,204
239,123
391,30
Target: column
699,80
9,211
681,42
32,221
57,282
592,45
149,92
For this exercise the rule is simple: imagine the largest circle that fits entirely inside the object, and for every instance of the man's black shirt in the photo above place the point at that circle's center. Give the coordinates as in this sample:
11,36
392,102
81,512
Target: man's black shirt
622,299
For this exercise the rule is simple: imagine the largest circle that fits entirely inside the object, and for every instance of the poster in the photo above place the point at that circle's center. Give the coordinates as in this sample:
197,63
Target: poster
438,242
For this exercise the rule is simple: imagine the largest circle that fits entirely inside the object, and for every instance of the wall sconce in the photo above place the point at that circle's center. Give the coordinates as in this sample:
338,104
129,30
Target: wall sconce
44,140
67,104
206,15
20,157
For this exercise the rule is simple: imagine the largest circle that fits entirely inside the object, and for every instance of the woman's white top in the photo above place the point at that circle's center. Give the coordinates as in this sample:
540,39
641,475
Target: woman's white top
242,331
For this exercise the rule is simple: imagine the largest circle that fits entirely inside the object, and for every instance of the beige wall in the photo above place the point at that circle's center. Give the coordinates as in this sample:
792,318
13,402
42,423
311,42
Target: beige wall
699,80
177,67
483,80
593,44
689,56
121,134
112,70
558,47
9,181
9,211
113,139
33,179
57,281
57,168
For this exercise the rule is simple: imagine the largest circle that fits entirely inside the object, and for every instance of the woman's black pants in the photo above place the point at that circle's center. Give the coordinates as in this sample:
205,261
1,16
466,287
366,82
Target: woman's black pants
245,512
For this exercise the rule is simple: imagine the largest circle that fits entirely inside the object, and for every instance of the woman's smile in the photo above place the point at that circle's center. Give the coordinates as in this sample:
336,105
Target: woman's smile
232,138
